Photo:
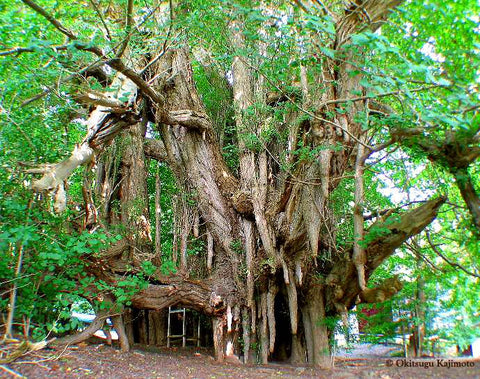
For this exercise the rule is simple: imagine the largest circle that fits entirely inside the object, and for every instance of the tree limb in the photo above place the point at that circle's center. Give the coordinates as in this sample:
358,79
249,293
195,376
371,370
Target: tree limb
128,28
85,334
155,149
363,13
37,8
408,224
453,264
115,63
179,291
342,284
186,118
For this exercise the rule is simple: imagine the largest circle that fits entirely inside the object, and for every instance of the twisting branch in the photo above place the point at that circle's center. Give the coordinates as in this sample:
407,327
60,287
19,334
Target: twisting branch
115,63
20,50
128,28
453,264
37,8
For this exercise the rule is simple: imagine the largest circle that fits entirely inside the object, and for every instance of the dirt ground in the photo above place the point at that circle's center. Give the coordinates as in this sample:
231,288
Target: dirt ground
101,361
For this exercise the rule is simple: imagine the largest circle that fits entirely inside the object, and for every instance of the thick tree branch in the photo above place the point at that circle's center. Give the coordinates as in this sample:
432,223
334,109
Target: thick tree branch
342,283
384,291
186,118
408,225
100,99
37,8
192,294
61,171
469,194
155,149
102,126
368,13
89,331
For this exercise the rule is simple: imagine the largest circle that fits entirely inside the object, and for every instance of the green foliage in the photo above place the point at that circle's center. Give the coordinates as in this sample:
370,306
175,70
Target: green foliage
53,272
168,267
237,247
125,289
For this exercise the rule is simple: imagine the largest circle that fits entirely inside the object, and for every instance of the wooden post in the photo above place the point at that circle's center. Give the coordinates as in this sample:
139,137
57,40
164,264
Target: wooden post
184,329
168,326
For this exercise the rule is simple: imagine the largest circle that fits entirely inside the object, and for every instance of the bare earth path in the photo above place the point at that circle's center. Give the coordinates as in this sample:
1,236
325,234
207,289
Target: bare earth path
100,361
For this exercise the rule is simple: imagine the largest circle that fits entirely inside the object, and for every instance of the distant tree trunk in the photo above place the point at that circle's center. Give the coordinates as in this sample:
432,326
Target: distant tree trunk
158,219
420,311
119,326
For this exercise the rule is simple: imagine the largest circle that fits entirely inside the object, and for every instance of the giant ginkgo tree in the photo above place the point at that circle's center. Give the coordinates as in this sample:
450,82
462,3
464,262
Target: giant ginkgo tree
269,115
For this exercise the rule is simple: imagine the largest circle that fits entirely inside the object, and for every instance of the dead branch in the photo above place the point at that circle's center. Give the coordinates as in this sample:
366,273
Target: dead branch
22,349
100,99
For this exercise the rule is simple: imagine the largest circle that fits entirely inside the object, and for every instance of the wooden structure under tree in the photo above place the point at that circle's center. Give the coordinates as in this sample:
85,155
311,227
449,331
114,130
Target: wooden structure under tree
182,312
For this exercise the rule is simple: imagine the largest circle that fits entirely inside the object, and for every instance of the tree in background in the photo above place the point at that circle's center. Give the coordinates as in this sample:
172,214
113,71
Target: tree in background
273,125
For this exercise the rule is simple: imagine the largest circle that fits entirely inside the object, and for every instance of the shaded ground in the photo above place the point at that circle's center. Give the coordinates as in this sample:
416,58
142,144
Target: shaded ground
101,361
368,350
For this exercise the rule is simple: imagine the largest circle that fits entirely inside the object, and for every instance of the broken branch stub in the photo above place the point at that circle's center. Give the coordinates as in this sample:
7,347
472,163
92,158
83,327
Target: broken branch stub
58,173
103,124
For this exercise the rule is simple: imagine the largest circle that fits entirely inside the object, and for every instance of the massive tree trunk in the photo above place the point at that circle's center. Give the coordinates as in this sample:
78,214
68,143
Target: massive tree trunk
286,228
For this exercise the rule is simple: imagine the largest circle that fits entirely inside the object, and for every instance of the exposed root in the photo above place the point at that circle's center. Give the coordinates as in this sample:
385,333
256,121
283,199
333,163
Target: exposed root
18,349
